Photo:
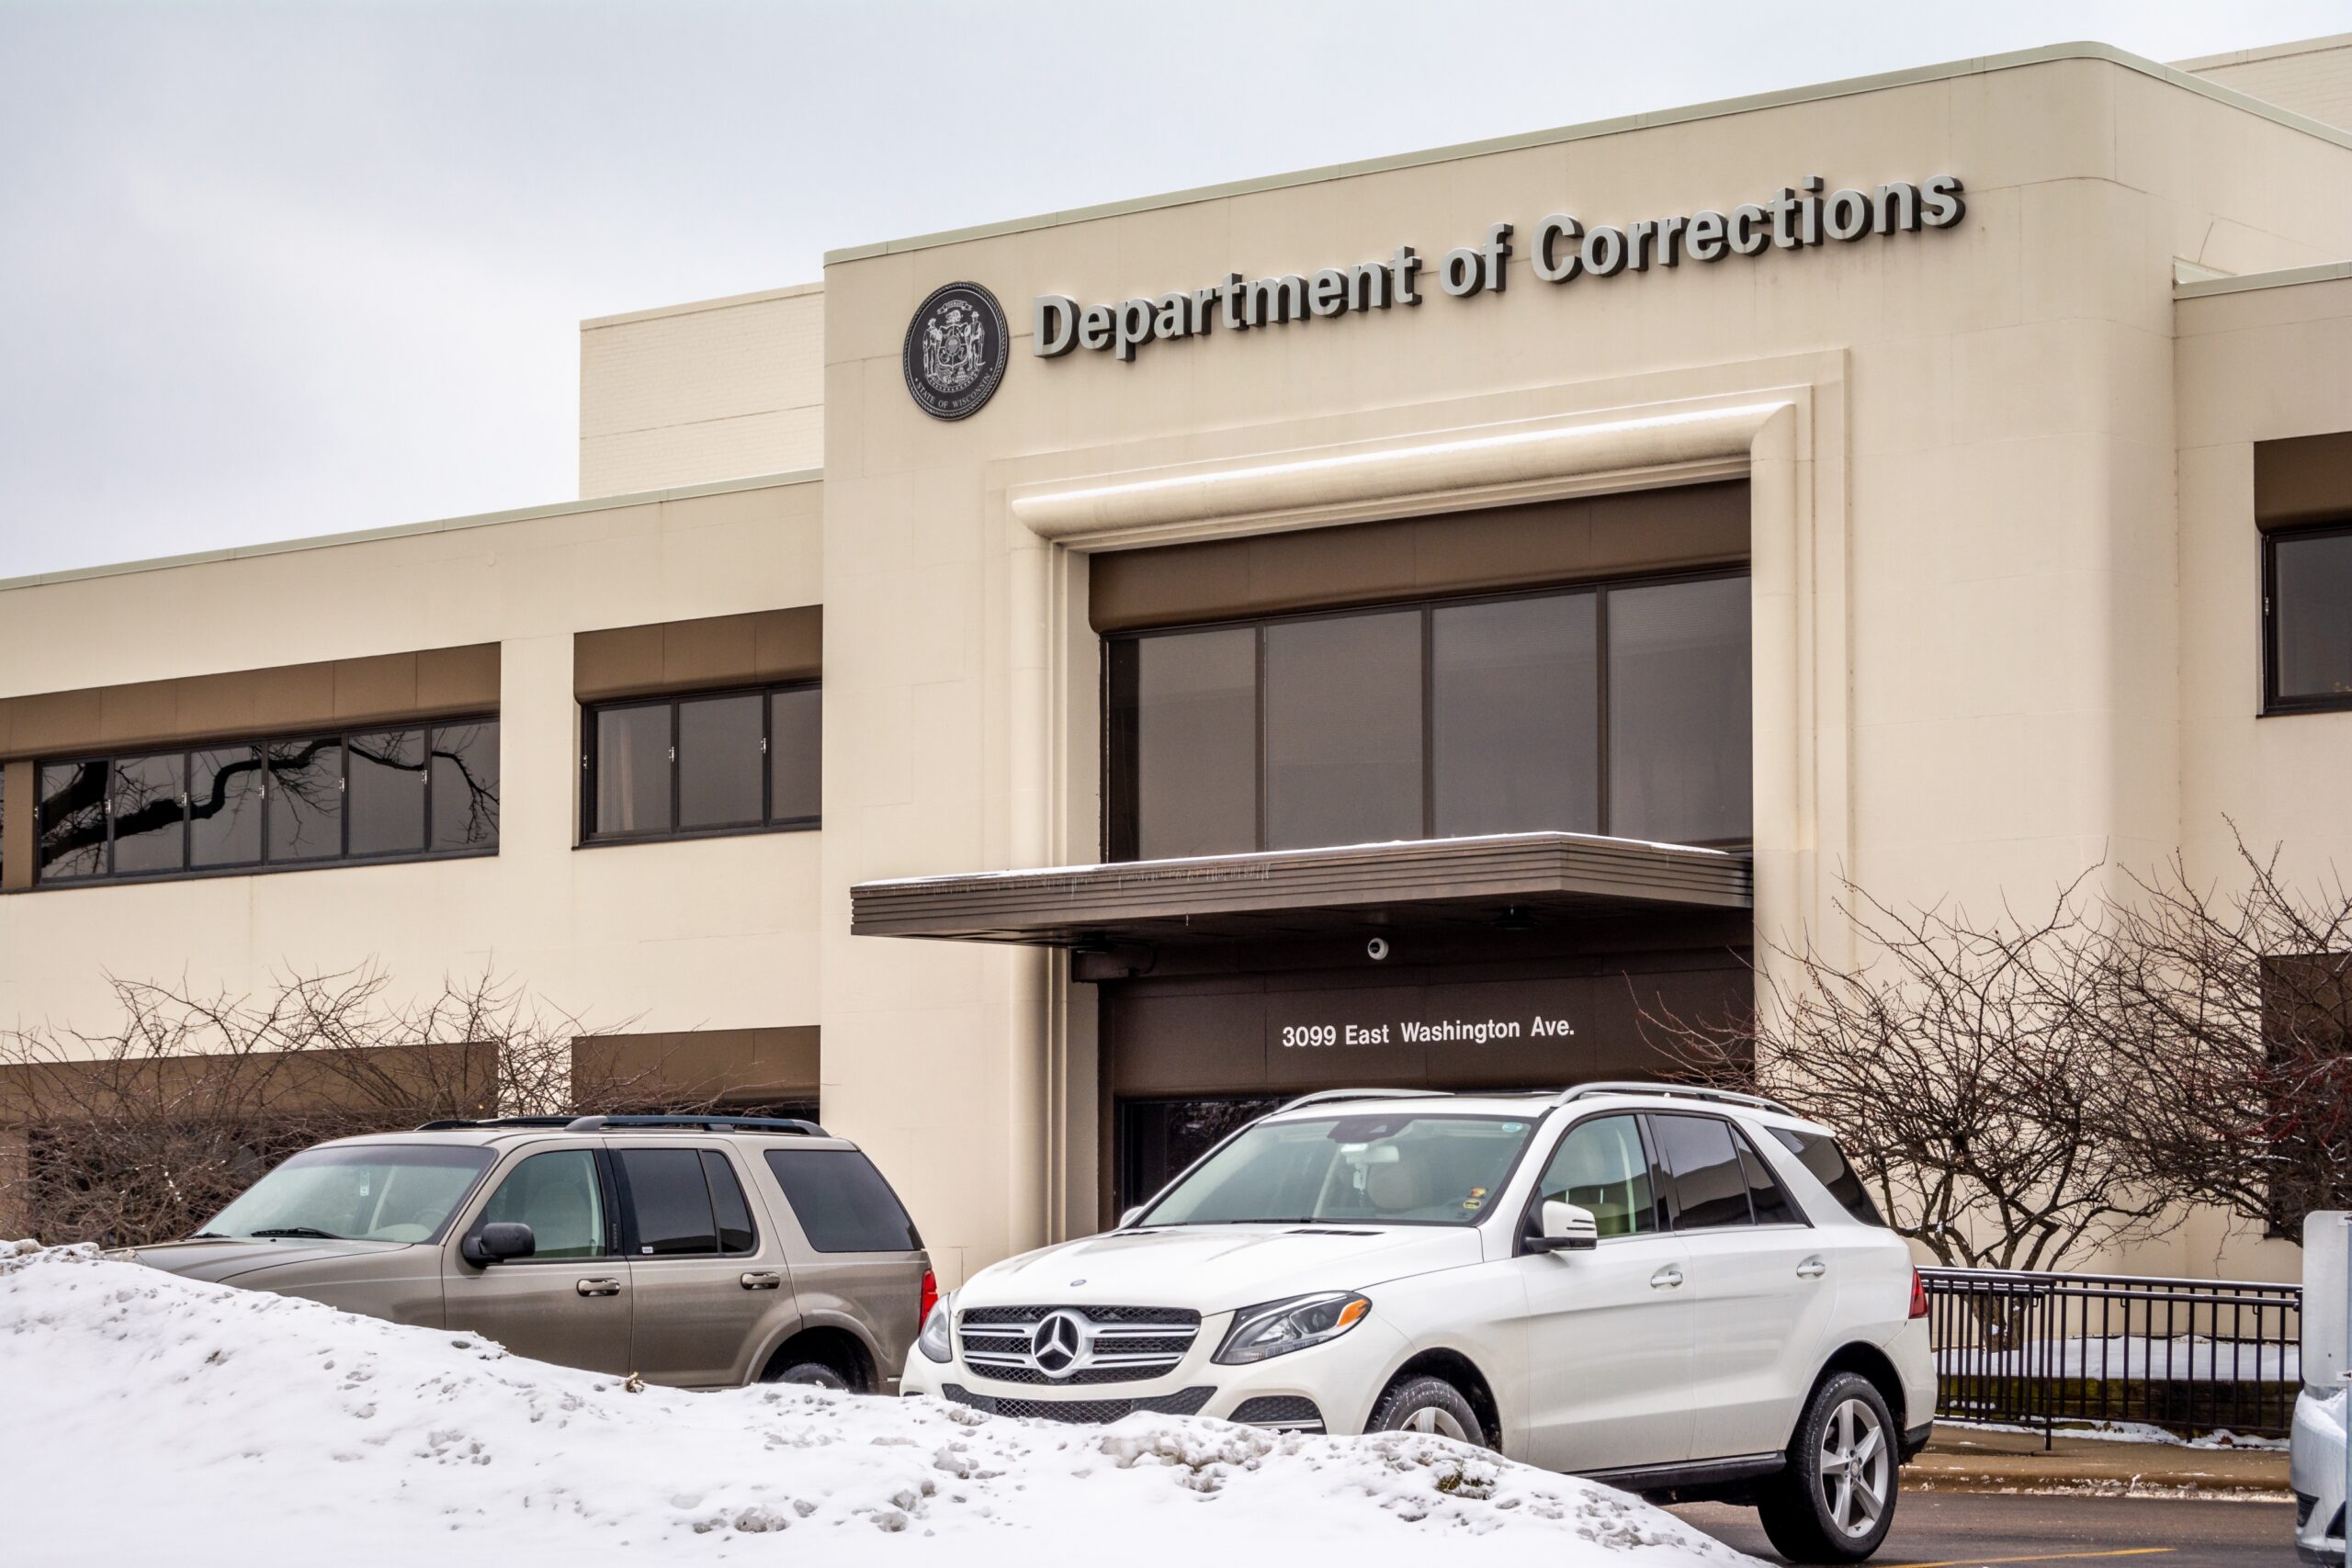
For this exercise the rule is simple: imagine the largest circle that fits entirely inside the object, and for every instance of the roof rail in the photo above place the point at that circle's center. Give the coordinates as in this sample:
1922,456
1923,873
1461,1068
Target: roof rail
1324,1096
450,1123
713,1123
1672,1090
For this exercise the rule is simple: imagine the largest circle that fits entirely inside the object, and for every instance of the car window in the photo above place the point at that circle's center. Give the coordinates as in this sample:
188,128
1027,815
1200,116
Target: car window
404,1193
557,1195
1770,1200
1820,1154
736,1232
1710,1185
1601,1167
1407,1168
669,1202
841,1201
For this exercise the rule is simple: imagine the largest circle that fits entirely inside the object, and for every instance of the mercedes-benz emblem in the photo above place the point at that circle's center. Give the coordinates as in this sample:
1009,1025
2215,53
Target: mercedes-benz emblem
1057,1343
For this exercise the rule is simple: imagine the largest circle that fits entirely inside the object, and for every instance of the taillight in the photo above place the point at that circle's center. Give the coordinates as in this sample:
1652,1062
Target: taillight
930,1298
1918,1295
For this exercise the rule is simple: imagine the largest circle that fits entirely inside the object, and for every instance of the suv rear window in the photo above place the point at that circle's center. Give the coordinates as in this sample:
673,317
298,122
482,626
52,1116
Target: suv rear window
1821,1155
841,1200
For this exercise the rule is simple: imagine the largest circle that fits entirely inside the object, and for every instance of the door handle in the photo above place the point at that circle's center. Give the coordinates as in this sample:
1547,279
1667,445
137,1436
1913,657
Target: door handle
762,1280
598,1287
1811,1269
1666,1278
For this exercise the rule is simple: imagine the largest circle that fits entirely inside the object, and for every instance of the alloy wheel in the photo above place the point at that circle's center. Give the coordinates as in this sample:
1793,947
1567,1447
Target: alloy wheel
1857,1471
1439,1423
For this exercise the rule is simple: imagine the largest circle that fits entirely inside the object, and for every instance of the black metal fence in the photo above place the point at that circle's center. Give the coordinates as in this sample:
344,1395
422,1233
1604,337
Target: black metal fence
2190,1356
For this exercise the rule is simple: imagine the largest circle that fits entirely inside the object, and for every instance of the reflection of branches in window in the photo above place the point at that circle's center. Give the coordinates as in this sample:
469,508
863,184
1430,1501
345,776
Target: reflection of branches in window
72,818
308,774
396,748
231,787
147,796
459,762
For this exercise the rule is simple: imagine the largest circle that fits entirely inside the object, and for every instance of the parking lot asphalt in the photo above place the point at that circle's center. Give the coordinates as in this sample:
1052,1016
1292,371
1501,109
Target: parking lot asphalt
1974,1529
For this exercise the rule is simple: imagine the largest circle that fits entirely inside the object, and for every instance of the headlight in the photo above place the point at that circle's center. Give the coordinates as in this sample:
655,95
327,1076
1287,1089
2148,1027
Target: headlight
1278,1328
937,1340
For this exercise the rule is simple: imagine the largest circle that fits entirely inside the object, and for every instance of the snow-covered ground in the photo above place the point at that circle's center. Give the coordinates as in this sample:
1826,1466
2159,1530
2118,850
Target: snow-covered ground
145,1417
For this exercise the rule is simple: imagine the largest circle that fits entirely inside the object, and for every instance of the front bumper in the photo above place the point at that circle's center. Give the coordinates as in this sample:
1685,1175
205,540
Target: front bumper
1328,1388
2315,1470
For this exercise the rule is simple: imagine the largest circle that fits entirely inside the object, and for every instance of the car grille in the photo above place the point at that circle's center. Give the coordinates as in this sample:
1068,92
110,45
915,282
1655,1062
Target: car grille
1123,1344
1185,1402
1292,1412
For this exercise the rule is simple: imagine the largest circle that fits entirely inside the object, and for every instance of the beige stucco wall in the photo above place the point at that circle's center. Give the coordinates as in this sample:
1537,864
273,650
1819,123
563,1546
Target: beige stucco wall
1978,572
712,389
717,933
2312,76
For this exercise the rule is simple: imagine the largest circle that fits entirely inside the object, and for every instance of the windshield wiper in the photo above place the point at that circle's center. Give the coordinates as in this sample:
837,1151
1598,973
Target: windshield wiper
311,1233
209,1235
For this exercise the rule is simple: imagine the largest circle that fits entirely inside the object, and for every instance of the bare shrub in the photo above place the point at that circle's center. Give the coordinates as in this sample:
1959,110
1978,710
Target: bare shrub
142,1133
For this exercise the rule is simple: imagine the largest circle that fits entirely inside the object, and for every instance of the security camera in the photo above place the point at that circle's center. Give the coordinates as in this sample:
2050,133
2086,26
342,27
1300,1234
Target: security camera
1377,949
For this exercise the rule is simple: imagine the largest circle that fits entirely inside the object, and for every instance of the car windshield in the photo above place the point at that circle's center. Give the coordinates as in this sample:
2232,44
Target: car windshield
357,1192
1394,1169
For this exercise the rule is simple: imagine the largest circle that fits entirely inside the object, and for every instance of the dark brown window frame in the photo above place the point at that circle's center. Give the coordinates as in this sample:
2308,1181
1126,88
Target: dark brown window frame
2273,703
262,865
590,714
1118,832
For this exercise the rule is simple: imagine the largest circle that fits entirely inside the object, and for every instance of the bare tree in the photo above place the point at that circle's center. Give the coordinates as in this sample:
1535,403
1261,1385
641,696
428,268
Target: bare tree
2231,1012
142,1132
1971,1087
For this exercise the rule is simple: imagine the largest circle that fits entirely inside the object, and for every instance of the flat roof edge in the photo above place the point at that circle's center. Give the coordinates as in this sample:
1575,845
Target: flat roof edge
2266,51
1717,108
2245,282
697,307
405,530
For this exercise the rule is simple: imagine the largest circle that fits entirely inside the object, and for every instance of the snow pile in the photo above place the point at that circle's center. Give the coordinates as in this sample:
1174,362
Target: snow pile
145,1413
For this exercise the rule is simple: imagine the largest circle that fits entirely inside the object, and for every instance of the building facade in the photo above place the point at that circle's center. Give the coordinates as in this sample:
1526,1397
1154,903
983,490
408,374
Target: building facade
1055,687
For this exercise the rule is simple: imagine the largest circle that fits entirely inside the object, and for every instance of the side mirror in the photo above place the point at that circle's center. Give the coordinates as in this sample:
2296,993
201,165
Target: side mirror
499,1242
1567,1228
1130,1217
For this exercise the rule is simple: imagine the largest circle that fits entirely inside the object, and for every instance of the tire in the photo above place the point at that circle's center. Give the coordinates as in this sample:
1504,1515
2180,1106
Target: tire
815,1375
1836,1500
1428,1405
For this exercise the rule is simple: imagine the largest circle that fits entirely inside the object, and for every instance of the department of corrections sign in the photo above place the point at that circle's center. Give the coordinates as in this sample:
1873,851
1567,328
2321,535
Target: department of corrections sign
956,351
1561,250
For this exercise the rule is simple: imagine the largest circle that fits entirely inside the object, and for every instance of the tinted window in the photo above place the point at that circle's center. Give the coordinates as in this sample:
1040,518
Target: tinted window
1678,712
669,1202
1184,733
386,794
728,762
1601,1167
224,805
150,814
1483,716
720,767
2311,617
841,1201
1770,1200
305,810
465,785
1821,1155
1343,731
1515,697
632,766
736,1232
557,1195
796,754
1709,1184
72,820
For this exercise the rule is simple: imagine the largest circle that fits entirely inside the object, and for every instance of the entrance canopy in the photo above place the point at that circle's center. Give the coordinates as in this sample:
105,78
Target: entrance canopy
1504,880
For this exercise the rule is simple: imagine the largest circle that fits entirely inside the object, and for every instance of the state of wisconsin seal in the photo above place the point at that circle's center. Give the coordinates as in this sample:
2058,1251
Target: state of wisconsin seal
957,350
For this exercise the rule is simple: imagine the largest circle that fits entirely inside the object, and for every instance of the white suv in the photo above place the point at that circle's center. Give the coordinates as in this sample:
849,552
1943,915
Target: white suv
1683,1292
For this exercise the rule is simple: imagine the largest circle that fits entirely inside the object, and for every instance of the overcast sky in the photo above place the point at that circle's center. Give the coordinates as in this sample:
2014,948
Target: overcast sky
270,270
